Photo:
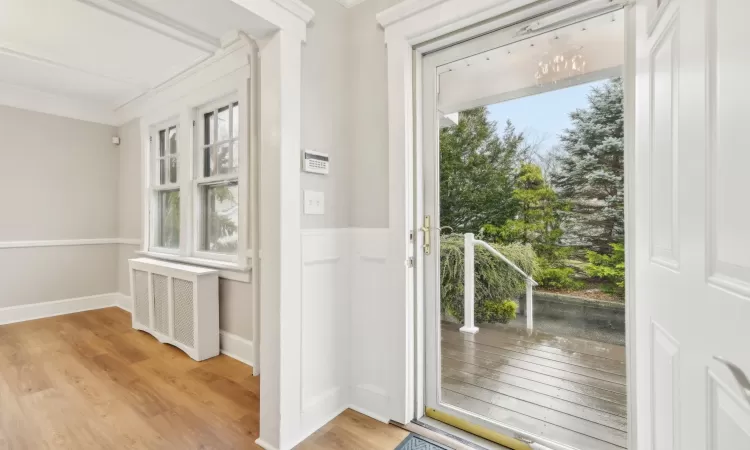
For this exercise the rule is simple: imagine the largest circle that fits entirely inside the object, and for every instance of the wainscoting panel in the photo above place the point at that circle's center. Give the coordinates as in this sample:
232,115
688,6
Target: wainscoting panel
325,306
370,341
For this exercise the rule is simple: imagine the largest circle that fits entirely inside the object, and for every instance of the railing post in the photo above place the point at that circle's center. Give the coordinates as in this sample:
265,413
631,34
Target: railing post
529,304
469,285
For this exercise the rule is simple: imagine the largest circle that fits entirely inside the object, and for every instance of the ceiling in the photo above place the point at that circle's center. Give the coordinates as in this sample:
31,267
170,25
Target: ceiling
97,55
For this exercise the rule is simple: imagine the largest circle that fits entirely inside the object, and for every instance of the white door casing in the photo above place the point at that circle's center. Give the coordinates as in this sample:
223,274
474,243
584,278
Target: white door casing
692,249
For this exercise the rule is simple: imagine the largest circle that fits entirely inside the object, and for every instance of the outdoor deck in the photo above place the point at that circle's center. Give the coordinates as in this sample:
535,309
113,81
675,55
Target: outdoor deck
568,390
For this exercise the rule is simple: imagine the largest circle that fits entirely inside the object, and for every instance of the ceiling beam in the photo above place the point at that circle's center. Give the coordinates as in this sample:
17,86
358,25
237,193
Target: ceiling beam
138,14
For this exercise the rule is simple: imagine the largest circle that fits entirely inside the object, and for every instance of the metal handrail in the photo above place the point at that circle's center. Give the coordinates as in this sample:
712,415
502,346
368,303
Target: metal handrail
509,262
469,243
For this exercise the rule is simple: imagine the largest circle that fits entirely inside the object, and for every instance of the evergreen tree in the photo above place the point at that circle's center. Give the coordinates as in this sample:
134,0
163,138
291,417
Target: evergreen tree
538,219
590,172
477,172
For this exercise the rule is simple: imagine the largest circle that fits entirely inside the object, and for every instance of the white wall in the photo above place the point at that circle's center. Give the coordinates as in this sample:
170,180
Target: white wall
58,181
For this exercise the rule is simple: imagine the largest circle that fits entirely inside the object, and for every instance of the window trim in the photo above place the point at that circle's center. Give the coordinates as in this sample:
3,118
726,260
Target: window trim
154,183
199,180
227,91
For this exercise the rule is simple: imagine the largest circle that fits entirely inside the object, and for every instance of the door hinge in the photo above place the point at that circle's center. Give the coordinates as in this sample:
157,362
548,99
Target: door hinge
410,262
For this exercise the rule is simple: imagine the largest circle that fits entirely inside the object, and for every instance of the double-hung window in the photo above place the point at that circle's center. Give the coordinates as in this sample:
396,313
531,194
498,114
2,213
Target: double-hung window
165,182
216,192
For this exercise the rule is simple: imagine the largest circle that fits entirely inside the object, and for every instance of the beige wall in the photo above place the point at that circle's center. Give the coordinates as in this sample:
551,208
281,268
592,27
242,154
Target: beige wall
368,109
129,208
58,181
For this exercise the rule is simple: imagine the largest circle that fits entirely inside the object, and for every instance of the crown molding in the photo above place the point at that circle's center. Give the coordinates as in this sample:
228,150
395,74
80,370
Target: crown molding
140,15
403,10
55,104
299,9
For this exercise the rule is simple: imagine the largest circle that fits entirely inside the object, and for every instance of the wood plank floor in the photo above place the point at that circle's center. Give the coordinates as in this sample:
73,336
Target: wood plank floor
569,390
89,381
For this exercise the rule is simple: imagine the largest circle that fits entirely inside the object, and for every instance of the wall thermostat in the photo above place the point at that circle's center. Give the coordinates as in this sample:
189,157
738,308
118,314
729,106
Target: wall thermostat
315,162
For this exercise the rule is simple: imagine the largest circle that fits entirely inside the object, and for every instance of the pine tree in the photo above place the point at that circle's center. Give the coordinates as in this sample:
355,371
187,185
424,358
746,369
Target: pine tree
477,170
538,219
590,173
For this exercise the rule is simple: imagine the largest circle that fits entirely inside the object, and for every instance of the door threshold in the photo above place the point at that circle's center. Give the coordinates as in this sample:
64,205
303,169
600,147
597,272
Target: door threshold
447,435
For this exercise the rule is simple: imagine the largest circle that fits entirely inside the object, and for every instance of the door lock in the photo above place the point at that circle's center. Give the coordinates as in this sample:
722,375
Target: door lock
427,235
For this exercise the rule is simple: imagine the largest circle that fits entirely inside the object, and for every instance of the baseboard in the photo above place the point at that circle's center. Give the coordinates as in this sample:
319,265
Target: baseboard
236,347
22,313
367,413
124,302
265,445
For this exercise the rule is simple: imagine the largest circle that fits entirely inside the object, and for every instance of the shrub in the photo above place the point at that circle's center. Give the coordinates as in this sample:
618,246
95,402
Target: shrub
558,278
496,283
609,268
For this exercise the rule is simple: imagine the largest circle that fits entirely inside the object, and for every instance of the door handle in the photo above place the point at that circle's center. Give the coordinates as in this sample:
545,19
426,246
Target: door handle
739,375
427,235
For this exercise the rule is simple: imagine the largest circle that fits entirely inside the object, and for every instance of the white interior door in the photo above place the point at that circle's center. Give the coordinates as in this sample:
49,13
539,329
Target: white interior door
692,224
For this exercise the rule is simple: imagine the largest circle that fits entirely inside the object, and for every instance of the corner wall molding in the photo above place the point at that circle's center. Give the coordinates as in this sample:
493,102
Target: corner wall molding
68,242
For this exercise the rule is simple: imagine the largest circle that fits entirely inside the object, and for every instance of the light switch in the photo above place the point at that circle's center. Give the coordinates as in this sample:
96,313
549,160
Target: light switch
314,202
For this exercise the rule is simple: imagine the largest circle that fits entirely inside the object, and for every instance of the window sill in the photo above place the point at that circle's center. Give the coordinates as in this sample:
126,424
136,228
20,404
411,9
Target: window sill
227,270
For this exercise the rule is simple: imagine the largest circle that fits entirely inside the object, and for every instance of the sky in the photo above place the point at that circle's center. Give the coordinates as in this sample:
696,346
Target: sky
542,116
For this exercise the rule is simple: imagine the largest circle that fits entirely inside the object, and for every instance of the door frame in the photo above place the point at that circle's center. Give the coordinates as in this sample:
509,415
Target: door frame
414,28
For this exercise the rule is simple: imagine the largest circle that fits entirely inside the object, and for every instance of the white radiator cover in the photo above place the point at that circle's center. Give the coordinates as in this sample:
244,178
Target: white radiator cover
178,304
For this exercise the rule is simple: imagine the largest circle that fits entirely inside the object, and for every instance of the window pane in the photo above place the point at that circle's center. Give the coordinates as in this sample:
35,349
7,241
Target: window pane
173,169
173,140
209,161
221,217
162,171
235,156
162,142
223,123
168,219
235,120
225,161
208,128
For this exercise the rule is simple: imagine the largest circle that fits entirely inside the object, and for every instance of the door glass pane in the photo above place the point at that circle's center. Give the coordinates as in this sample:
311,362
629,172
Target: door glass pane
221,217
531,165
168,219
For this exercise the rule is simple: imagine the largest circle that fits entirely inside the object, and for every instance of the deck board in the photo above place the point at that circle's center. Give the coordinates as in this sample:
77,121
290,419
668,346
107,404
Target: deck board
568,390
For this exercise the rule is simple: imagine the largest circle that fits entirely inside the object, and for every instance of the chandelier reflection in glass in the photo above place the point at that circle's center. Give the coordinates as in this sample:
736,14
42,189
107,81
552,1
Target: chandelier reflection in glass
554,67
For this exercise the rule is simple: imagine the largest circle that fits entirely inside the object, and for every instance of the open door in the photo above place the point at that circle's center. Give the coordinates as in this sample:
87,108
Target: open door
692,254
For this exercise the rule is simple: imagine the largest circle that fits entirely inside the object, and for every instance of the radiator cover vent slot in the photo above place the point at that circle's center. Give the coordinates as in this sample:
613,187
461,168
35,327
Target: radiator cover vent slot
178,304
183,312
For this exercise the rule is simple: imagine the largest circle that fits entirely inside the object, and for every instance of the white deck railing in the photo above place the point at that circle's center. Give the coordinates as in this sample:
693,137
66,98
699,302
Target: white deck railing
469,243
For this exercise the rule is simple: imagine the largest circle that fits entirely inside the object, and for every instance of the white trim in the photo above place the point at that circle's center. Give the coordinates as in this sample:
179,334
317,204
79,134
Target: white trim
68,242
124,302
57,105
22,313
265,445
138,14
236,347
409,26
227,271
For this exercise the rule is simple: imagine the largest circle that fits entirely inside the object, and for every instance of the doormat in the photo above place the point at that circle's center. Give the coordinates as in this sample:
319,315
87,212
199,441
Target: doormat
415,442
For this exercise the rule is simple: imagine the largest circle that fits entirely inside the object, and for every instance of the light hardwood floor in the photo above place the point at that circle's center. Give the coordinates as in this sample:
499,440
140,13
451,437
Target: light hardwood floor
89,381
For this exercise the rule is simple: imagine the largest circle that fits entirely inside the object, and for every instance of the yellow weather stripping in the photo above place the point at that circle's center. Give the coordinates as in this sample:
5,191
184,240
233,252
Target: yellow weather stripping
477,430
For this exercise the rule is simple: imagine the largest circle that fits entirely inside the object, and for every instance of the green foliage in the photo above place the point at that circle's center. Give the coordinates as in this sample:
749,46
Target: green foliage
496,283
538,219
496,311
609,267
558,278
590,174
477,170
